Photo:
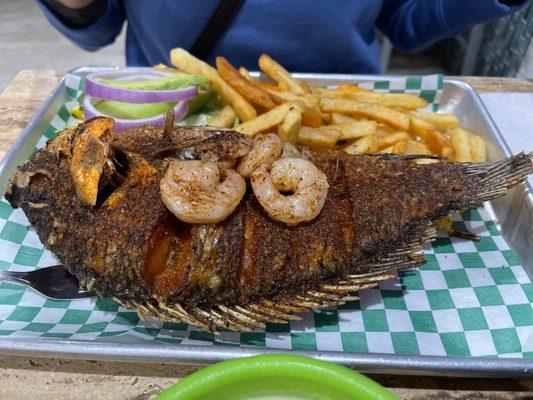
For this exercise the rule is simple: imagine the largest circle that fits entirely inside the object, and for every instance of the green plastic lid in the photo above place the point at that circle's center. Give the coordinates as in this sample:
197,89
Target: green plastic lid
276,377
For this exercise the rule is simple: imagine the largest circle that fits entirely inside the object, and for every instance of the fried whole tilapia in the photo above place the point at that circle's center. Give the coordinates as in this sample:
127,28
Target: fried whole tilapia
117,236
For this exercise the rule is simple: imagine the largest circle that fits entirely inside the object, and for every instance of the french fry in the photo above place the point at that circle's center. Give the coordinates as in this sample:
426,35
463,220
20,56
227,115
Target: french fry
397,100
460,139
386,150
283,95
324,92
414,147
442,122
384,122
185,61
246,88
390,139
352,88
420,126
365,145
384,130
244,72
318,139
468,147
399,147
266,121
326,118
386,115
272,89
447,152
337,119
393,100
478,149
310,116
290,126
437,142
224,119
354,130
311,100
164,68
305,86
280,75
343,90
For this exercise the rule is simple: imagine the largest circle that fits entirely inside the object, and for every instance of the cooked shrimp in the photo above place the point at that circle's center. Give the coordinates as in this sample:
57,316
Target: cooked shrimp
193,192
290,151
309,187
265,150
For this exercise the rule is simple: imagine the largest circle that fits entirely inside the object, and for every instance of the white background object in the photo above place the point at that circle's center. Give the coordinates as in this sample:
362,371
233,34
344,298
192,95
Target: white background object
513,115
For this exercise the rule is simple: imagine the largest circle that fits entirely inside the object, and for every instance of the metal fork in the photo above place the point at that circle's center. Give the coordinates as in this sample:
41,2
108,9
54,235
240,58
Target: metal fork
54,282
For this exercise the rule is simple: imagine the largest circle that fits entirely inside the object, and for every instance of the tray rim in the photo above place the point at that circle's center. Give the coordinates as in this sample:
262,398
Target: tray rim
473,367
208,354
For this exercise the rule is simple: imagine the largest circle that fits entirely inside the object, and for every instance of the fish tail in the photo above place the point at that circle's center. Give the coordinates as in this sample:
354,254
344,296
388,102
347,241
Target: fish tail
495,178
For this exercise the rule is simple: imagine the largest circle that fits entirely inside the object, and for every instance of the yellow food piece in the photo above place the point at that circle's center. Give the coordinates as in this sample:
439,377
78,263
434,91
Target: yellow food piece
365,145
224,119
318,139
443,122
337,119
281,75
266,121
354,130
467,146
290,126
390,139
415,147
394,100
386,115
185,61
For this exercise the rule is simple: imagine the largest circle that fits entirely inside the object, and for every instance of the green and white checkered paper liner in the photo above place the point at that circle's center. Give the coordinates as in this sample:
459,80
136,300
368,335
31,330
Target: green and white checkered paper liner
470,299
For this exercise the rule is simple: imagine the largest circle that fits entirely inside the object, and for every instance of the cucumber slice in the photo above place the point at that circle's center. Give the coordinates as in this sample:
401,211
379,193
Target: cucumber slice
177,81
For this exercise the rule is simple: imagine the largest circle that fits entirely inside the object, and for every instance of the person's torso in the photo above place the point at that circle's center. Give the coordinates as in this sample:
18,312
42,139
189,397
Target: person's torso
303,35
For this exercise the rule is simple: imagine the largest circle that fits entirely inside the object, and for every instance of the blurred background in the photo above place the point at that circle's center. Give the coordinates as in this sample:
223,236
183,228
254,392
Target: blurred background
501,48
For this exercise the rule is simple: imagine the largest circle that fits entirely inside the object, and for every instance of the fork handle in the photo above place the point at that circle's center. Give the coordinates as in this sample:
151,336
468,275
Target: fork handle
15,277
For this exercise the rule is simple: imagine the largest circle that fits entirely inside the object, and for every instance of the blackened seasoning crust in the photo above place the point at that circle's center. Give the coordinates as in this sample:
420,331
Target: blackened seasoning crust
131,248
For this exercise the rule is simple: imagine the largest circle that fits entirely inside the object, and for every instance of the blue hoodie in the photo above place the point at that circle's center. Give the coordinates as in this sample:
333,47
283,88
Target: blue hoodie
303,35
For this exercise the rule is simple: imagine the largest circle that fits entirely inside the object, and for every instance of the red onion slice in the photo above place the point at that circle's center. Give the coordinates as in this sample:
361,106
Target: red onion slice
89,111
100,90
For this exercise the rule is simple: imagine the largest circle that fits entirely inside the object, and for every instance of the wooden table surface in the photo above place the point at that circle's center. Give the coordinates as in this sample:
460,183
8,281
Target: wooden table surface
41,378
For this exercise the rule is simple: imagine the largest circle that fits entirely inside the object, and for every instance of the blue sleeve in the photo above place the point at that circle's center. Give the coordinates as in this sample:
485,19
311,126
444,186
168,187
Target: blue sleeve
412,24
93,37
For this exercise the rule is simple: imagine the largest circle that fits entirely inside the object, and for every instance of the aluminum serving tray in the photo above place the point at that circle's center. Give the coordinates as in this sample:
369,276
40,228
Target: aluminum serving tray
513,214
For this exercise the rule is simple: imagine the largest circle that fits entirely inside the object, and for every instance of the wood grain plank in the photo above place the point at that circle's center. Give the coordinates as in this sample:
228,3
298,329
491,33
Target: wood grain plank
20,101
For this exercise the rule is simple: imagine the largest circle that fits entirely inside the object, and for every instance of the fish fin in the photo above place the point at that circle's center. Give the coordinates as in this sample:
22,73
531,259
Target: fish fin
242,316
252,316
340,290
496,177
228,321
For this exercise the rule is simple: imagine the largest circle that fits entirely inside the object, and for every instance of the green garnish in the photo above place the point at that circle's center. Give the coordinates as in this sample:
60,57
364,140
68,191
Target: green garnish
132,111
177,81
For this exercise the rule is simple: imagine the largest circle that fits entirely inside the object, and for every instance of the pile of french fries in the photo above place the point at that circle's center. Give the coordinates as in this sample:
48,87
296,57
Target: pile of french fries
356,120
